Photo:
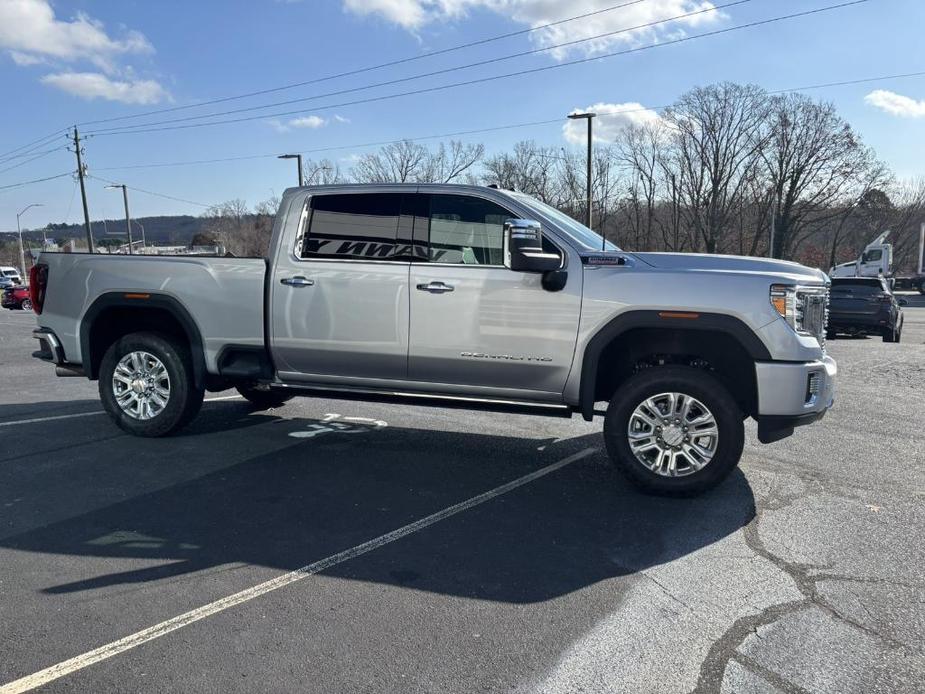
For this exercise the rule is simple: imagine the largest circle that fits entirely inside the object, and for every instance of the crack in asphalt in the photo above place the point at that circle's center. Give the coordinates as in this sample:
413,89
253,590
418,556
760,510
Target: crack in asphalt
725,648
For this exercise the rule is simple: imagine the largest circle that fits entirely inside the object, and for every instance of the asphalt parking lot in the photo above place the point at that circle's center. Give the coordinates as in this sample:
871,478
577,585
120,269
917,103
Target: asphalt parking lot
345,547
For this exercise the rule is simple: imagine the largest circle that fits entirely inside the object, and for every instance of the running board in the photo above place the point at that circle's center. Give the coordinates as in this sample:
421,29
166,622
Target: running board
431,399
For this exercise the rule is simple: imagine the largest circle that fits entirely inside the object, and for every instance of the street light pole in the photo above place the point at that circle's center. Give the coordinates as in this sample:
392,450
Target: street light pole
128,219
22,253
298,158
588,117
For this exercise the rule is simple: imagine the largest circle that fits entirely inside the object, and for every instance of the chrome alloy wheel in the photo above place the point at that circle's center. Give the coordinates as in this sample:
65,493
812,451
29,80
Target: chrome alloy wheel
141,385
673,434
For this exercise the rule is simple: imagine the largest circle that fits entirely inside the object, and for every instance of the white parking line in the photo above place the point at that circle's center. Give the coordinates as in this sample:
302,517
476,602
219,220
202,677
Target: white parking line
43,677
88,414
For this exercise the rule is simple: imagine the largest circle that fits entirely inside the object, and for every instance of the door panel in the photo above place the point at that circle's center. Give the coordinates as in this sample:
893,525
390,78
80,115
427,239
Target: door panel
339,303
496,328
353,321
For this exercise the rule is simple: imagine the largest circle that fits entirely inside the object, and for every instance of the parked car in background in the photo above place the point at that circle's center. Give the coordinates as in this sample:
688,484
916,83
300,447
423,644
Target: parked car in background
16,298
864,306
10,274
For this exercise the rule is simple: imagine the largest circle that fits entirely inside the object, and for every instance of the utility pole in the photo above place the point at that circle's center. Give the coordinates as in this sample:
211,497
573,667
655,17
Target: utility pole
921,247
298,158
589,117
128,219
771,228
83,190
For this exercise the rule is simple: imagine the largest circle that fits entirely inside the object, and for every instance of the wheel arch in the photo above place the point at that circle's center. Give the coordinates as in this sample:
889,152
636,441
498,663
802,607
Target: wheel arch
115,314
728,340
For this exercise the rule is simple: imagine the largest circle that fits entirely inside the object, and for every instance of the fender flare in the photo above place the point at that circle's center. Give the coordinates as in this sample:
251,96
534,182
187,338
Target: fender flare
663,320
151,300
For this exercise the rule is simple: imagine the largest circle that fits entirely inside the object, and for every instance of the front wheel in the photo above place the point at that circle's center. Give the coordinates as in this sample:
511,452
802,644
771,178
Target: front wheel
674,431
147,385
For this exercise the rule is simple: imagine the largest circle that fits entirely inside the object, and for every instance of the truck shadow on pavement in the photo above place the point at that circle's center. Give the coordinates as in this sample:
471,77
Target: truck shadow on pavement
319,495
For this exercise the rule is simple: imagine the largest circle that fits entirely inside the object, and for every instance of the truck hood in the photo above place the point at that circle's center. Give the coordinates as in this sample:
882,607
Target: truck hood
702,262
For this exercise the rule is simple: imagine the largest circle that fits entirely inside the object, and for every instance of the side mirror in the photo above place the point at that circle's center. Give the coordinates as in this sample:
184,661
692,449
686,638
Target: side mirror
903,302
523,247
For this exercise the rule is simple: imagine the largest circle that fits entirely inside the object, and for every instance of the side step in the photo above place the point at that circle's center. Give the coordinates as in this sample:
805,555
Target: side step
431,399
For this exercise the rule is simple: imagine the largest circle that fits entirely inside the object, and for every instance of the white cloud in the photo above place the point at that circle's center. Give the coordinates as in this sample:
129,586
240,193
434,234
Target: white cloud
415,14
611,119
31,32
312,122
95,85
308,122
896,104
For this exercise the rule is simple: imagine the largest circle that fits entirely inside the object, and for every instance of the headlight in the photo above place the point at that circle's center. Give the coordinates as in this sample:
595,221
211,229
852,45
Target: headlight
784,300
805,308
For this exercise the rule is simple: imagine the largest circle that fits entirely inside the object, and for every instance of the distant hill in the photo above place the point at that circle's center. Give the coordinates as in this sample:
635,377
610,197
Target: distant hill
173,230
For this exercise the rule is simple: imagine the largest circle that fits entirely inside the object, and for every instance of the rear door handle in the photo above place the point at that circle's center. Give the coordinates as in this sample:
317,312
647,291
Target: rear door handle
435,287
297,281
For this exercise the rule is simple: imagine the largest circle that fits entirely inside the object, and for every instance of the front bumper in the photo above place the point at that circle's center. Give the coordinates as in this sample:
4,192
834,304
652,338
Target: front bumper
793,394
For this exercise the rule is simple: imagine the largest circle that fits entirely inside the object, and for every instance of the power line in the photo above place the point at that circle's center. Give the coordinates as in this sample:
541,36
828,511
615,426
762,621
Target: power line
40,142
482,80
149,192
36,180
370,68
434,73
37,156
509,126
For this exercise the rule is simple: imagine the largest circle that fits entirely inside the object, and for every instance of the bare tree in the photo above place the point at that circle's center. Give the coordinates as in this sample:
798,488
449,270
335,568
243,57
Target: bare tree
448,163
813,160
529,168
718,132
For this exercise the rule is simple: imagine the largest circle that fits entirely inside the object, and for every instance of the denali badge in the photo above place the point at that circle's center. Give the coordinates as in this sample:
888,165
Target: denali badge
507,357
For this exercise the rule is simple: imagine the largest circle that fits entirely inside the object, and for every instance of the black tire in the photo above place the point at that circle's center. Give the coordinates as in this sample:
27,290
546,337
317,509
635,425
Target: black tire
693,382
264,399
891,335
26,305
185,397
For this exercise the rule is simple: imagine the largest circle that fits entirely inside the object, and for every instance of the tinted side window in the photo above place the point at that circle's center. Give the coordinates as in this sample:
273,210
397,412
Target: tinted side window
353,226
872,255
466,230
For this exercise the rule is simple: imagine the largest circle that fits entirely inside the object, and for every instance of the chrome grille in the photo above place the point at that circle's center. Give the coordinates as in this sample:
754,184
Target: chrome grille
813,311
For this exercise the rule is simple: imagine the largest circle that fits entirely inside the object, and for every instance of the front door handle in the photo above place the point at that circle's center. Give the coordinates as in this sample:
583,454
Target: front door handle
297,281
435,287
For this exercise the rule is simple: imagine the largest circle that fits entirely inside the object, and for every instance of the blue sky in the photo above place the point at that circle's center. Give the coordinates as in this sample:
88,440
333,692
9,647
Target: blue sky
70,61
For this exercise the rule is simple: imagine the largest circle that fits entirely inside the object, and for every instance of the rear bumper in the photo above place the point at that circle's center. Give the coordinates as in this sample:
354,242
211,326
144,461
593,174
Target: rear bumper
50,350
792,395
858,321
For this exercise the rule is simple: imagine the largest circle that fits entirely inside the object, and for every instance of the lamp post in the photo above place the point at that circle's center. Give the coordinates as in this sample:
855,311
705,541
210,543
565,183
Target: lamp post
22,253
144,243
588,117
128,219
298,158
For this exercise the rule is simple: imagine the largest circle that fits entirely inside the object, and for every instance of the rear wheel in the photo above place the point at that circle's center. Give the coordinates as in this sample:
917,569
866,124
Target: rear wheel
674,431
263,399
26,305
892,335
147,385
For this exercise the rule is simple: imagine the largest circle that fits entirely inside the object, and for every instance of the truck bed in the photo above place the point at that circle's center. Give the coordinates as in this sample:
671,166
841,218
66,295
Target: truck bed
224,296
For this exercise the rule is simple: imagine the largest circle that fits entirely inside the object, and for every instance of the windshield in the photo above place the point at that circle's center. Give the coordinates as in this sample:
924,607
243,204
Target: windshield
577,231
857,288
10,273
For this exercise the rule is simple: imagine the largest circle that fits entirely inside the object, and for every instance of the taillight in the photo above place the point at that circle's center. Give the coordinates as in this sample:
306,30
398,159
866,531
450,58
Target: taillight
38,283
884,298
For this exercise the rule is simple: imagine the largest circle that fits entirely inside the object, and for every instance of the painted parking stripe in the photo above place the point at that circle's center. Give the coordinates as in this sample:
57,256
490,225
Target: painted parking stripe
88,414
43,677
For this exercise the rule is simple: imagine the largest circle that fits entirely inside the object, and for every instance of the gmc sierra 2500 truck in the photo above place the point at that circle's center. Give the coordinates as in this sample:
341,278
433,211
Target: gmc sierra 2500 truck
455,295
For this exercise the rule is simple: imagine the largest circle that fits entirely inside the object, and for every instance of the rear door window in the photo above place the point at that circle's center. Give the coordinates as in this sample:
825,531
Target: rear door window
353,226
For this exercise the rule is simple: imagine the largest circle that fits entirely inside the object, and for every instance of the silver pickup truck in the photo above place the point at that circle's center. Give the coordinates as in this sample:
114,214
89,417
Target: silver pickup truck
455,296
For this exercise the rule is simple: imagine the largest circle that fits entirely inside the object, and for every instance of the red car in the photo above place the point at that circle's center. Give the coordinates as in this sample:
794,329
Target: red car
16,297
